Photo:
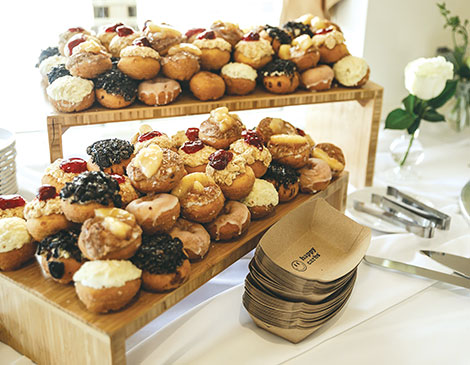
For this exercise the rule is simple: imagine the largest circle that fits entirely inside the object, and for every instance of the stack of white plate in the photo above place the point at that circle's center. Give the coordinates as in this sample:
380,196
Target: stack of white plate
7,163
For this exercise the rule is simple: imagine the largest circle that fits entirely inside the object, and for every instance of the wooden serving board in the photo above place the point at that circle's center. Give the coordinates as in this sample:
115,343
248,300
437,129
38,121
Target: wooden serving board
46,322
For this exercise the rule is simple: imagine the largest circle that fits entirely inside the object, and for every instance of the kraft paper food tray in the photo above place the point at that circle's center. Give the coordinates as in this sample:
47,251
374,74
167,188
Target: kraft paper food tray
316,242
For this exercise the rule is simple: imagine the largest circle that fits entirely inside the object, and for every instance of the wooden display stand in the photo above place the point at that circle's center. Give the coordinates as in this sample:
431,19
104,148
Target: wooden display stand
46,322
353,124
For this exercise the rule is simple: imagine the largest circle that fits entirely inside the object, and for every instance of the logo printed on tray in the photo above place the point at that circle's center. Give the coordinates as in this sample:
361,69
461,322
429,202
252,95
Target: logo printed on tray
306,259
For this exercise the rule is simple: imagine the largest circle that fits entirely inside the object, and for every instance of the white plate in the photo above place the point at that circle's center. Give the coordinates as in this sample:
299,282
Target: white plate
365,219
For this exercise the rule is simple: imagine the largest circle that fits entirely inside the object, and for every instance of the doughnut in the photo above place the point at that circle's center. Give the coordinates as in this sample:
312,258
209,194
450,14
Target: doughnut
155,213
280,76
276,36
196,240
114,89
112,234
228,31
158,91
155,169
330,43
16,244
270,126
232,222
124,37
108,285
221,128
88,191
262,199
110,155
139,60
200,197
126,190
207,86
63,171
191,35
195,155
44,214
147,136
69,33
253,51
332,155
87,59
215,51
317,23
182,62
240,78
231,172
317,78
351,71
163,261
48,64
315,176
46,53
12,206
295,29
251,148
57,72
302,52
285,179
71,94
161,36
107,33
289,149
59,256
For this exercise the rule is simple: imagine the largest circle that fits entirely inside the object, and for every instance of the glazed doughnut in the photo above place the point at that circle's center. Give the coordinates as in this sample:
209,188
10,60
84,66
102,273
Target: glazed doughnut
112,234
44,214
114,89
280,76
12,206
89,191
107,285
110,155
270,126
124,37
16,244
62,171
232,222
155,213
215,52
318,78
196,241
163,261
231,172
70,94
155,169
221,128
207,86
200,197
262,199
158,91
195,155
182,62
161,36
87,58
139,60
253,51
332,155
330,43
351,71
289,149
126,190
285,179
240,78
59,256
251,148
315,176
228,31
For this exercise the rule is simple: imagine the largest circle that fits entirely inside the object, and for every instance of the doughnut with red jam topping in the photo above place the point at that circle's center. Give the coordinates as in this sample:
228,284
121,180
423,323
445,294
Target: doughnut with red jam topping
195,155
110,155
139,60
215,51
107,33
62,171
12,206
124,37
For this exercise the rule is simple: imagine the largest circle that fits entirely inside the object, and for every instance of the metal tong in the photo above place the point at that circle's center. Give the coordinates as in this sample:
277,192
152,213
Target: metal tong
406,212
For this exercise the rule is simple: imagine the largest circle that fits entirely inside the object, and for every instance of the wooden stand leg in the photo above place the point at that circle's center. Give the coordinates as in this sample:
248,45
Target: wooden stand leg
54,133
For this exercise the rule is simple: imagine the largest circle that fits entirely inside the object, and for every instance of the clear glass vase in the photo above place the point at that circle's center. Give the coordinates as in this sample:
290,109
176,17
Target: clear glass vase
407,152
457,109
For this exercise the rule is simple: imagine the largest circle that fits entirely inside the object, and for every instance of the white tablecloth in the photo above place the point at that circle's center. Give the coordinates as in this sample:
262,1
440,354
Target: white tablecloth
390,318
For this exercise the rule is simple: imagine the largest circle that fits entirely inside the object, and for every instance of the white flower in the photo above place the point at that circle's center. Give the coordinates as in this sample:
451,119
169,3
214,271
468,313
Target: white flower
426,77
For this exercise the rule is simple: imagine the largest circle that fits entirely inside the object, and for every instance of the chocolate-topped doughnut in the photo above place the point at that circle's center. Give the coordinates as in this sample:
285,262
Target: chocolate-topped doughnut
276,36
285,179
110,155
114,89
59,255
297,28
56,72
163,262
280,76
46,53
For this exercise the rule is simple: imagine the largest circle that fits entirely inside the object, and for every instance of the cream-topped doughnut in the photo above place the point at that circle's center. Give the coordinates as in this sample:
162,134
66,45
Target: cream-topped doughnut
251,148
16,244
330,43
155,213
217,42
253,51
195,155
46,66
71,94
215,51
239,78
196,240
62,171
351,71
262,199
12,206
232,222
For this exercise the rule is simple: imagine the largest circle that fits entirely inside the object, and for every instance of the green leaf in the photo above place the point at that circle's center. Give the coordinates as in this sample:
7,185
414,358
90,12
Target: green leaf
413,127
446,94
432,116
409,103
398,119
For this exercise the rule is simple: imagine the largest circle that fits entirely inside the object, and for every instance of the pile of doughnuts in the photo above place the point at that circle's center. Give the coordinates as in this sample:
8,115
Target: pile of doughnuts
138,211
120,64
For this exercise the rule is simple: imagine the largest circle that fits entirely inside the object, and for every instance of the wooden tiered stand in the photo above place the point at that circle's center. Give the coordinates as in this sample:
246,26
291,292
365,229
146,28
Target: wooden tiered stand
46,322
347,117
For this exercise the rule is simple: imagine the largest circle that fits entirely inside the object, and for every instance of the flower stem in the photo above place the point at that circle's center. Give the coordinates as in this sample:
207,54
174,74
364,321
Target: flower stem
402,162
